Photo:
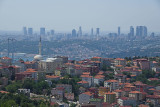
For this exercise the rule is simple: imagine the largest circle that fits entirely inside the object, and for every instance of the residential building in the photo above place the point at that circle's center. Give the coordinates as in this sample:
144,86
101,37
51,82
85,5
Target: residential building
110,97
85,97
68,88
126,101
112,84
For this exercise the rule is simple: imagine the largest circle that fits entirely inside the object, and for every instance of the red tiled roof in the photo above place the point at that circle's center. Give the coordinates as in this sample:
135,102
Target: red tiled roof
87,76
142,105
99,76
118,91
119,59
100,73
4,92
53,76
88,93
29,62
6,58
60,88
110,93
86,73
111,81
135,92
83,82
153,96
153,79
96,57
124,98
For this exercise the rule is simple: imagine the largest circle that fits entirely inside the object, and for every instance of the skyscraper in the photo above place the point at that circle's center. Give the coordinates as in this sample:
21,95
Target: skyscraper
30,31
138,31
141,31
74,34
42,31
145,32
119,31
52,32
97,31
24,31
92,32
131,31
80,31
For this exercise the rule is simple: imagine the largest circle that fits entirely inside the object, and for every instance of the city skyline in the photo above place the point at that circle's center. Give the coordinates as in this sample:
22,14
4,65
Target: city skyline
67,15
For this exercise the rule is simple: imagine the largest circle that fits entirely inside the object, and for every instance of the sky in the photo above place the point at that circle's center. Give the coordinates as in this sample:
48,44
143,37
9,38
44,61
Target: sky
65,15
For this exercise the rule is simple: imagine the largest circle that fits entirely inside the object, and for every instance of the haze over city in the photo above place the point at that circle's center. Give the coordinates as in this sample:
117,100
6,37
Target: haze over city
64,15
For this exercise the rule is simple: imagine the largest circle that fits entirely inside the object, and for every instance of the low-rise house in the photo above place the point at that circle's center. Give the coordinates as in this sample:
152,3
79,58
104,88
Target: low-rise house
153,79
31,64
83,84
120,61
6,60
58,93
119,93
68,88
24,91
69,96
140,86
110,97
144,64
102,91
4,92
22,75
127,101
82,90
93,90
34,73
142,105
52,77
112,84
98,79
96,101
88,78
136,95
84,98
154,99
120,77
3,81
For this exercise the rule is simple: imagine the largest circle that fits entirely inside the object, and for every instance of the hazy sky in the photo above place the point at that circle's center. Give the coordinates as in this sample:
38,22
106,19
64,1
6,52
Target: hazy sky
64,15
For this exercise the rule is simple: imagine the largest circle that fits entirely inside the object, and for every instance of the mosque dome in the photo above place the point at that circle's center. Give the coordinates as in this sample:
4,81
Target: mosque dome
38,57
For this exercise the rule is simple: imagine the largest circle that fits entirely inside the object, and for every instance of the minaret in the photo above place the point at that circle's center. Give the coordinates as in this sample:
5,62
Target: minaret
40,46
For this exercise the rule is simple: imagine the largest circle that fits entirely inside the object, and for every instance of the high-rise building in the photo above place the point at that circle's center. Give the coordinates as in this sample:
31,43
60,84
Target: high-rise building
30,31
24,31
97,31
145,31
92,32
119,31
52,32
74,34
131,31
42,31
141,31
152,34
80,31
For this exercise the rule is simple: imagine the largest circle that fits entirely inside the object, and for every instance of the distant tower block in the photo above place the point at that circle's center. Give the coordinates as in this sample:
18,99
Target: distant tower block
40,46
24,31
97,31
42,31
119,31
92,32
